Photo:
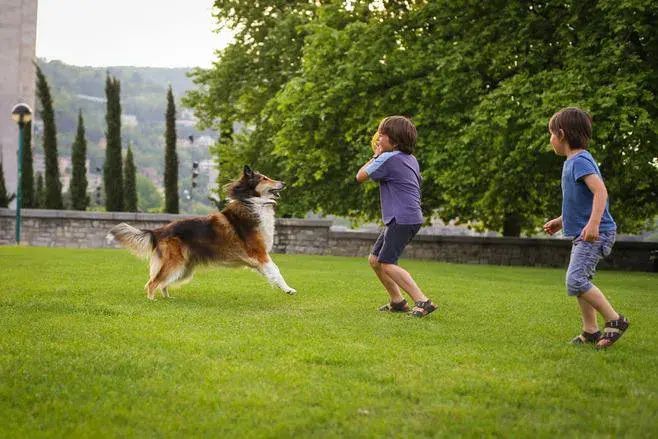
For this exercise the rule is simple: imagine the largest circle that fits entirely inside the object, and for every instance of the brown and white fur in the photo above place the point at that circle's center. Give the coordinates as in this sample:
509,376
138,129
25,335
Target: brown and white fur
241,234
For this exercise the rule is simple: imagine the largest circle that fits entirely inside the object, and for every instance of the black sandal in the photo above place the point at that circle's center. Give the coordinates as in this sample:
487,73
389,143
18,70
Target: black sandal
613,331
586,337
395,307
426,308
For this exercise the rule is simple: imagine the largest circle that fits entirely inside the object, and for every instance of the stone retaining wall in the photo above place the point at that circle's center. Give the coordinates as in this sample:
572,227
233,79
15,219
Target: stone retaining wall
59,228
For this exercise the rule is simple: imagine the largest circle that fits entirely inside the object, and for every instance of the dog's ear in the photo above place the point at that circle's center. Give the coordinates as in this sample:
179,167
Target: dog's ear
247,171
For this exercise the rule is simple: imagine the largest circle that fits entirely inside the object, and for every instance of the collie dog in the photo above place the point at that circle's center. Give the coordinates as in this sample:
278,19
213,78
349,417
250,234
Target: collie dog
241,234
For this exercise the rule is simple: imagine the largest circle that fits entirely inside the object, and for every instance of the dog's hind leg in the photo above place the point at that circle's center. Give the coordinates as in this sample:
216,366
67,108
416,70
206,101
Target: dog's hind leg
272,273
154,269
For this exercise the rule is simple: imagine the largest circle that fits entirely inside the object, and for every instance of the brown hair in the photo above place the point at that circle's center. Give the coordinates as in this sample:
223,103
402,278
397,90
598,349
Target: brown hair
401,131
576,125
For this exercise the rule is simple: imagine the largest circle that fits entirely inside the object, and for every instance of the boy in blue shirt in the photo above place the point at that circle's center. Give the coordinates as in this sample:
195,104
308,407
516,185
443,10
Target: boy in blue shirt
398,174
586,218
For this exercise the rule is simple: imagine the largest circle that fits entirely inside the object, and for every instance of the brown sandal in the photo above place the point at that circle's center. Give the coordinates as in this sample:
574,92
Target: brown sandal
612,332
395,307
586,337
426,307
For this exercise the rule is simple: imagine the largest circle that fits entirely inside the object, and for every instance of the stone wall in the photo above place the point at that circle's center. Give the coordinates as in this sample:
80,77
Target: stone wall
56,228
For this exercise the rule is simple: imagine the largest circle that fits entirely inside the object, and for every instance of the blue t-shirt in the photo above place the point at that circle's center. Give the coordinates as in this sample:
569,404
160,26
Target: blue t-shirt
399,180
577,198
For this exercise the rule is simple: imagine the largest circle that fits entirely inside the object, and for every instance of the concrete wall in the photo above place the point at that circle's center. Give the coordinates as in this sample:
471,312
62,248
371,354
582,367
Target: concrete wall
18,34
59,228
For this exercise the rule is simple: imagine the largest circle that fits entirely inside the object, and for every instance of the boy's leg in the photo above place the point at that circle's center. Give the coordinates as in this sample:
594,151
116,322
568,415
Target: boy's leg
595,298
584,258
404,280
588,313
391,287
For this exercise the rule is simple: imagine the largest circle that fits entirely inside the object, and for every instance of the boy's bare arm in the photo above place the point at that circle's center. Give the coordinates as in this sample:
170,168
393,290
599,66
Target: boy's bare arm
362,175
595,184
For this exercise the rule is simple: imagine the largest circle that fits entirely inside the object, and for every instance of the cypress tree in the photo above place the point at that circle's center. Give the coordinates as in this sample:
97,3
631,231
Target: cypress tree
5,198
112,173
78,187
40,194
53,186
129,183
171,159
27,178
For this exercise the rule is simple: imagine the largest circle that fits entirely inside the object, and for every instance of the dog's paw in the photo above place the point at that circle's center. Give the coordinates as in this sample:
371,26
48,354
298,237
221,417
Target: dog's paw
291,291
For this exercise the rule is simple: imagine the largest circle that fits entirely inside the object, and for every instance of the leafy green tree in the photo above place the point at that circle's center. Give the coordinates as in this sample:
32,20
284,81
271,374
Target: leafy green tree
40,194
149,199
479,79
27,173
53,185
129,185
78,187
5,197
171,158
112,172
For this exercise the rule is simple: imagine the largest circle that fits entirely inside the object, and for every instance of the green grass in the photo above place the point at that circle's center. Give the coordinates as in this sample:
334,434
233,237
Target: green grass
83,353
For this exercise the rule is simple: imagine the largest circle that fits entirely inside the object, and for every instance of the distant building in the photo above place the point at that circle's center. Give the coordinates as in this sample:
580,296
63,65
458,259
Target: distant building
18,34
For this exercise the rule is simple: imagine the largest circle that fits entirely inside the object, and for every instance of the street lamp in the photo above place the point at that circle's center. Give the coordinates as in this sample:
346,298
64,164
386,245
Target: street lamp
21,114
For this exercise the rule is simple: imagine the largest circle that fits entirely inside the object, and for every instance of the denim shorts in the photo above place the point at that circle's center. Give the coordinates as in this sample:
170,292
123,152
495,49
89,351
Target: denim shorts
585,255
391,242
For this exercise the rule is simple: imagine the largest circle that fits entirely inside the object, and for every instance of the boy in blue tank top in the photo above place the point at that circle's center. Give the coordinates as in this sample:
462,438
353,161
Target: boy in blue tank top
396,170
586,219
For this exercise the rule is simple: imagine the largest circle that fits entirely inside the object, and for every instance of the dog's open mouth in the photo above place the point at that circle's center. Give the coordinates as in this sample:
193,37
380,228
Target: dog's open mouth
276,193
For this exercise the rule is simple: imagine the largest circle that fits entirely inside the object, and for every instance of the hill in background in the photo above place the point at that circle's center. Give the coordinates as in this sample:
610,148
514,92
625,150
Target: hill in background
143,104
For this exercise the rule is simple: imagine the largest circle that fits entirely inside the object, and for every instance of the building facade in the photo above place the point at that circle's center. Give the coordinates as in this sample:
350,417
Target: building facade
18,35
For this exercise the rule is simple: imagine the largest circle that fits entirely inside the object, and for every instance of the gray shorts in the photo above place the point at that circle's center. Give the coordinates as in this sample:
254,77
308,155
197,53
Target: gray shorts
585,256
391,242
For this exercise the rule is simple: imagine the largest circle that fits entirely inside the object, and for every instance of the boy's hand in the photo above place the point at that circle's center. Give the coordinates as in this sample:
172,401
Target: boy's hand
590,232
553,226
378,150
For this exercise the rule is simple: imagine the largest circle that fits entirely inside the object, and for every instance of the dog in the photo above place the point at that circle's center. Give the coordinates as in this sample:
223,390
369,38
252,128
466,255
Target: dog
242,234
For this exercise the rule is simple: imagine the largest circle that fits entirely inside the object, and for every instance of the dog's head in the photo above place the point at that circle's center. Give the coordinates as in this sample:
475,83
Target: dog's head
255,185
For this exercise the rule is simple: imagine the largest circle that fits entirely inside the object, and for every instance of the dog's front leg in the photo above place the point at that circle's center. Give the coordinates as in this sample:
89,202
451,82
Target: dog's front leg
272,273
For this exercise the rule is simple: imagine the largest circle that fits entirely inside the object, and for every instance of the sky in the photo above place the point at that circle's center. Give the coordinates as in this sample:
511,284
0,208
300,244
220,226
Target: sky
145,33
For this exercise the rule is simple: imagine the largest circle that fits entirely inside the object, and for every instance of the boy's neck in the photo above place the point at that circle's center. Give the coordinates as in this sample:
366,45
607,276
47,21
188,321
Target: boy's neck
573,152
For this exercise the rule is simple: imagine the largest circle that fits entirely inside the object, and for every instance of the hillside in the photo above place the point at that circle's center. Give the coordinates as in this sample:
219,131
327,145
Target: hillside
143,102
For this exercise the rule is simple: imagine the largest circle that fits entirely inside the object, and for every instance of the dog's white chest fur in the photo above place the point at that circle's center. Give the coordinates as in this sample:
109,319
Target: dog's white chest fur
265,211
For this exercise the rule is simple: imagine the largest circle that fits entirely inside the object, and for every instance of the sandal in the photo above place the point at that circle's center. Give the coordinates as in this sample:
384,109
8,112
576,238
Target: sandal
586,337
426,307
613,331
395,307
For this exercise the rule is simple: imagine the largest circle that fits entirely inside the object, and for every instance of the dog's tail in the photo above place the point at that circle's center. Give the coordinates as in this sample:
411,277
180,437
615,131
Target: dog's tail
140,242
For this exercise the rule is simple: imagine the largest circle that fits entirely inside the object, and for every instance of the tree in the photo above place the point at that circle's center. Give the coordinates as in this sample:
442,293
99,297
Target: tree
129,185
53,186
27,178
148,197
171,159
78,186
479,79
5,198
112,172
40,193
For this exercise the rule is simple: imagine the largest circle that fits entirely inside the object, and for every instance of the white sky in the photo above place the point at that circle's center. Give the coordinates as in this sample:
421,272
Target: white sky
153,33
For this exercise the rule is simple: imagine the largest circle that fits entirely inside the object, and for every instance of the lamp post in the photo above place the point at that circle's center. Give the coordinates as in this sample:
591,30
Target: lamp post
21,114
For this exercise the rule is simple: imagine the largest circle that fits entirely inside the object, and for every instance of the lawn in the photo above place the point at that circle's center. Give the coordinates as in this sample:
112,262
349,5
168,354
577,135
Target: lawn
83,353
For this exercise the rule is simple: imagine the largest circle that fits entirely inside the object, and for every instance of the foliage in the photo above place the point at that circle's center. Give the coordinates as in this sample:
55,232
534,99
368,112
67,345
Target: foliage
40,193
148,197
480,80
129,183
53,185
171,158
28,199
78,187
112,172
231,357
5,197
